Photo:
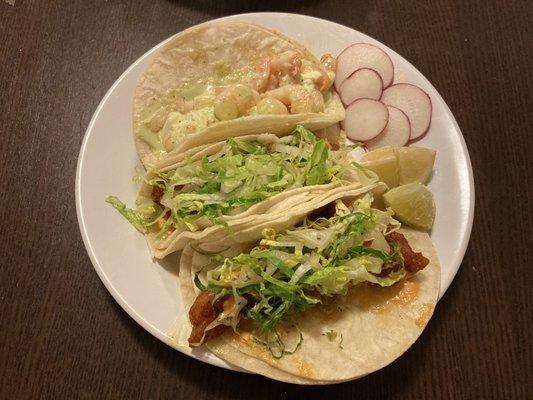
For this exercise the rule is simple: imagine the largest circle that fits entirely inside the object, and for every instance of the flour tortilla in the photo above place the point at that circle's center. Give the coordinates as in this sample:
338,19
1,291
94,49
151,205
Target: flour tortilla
281,205
286,212
282,218
194,55
377,325
226,350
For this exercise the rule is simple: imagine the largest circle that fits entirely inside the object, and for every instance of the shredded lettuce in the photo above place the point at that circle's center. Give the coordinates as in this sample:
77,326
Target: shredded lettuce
242,174
291,271
131,215
277,346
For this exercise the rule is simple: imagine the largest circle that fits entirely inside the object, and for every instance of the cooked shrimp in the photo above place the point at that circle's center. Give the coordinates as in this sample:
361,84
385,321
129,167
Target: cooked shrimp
288,62
260,81
323,83
271,69
226,107
328,62
297,99
329,65
270,106
234,101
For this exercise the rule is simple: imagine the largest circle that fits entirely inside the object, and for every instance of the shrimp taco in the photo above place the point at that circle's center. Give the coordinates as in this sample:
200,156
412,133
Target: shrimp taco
214,191
218,80
336,297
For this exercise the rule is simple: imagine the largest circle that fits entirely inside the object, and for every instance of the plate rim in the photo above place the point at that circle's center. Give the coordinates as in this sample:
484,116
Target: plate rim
81,157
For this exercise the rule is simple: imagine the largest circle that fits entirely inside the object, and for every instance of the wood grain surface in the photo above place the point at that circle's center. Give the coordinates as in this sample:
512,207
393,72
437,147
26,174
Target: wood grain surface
62,336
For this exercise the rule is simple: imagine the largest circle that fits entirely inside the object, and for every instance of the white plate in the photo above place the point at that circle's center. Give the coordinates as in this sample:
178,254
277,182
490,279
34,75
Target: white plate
147,290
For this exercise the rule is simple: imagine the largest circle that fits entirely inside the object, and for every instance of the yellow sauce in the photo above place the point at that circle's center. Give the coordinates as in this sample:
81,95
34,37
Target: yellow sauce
408,292
304,369
379,299
327,312
426,311
267,357
244,338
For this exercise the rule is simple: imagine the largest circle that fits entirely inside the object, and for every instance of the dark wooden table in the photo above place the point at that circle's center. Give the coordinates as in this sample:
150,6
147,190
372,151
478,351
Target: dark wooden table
62,335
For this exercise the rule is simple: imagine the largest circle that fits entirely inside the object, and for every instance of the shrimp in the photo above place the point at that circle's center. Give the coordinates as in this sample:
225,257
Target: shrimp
234,101
288,62
329,65
297,99
270,105
263,73
225,107
271,69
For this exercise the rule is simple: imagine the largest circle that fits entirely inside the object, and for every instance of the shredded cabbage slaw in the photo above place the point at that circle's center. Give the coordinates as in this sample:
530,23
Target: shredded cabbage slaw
201,192
291,271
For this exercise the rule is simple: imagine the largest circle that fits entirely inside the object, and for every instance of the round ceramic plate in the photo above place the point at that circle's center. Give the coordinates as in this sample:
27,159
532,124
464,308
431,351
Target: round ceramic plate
148,290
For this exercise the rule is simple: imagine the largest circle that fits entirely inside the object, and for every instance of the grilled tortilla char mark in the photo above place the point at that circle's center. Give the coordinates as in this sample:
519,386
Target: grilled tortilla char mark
413,261
202,313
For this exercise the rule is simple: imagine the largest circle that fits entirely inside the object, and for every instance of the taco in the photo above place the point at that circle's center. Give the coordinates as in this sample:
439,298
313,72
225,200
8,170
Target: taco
224,79
220,189
332,299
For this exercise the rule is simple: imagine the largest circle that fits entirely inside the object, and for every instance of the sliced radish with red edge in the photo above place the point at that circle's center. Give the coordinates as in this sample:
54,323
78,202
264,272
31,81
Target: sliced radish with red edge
396,133
363,55
365,83
365,119
414,102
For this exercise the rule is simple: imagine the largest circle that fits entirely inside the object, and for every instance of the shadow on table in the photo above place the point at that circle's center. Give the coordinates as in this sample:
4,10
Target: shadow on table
392,381
238,7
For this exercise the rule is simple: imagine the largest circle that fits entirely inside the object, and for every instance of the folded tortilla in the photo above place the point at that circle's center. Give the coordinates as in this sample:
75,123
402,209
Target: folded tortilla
286,208
173,102
373,325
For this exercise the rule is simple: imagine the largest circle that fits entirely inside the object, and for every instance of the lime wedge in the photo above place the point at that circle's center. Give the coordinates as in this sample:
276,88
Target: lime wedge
386,169
415,164
378,154
412,204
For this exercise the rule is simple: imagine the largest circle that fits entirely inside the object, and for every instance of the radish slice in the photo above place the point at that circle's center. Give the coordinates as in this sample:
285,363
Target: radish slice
414,102
363,55
365,83
365,119
396,133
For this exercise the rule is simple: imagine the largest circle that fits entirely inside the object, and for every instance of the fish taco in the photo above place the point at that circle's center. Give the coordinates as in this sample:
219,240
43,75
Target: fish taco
337,296
223,187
